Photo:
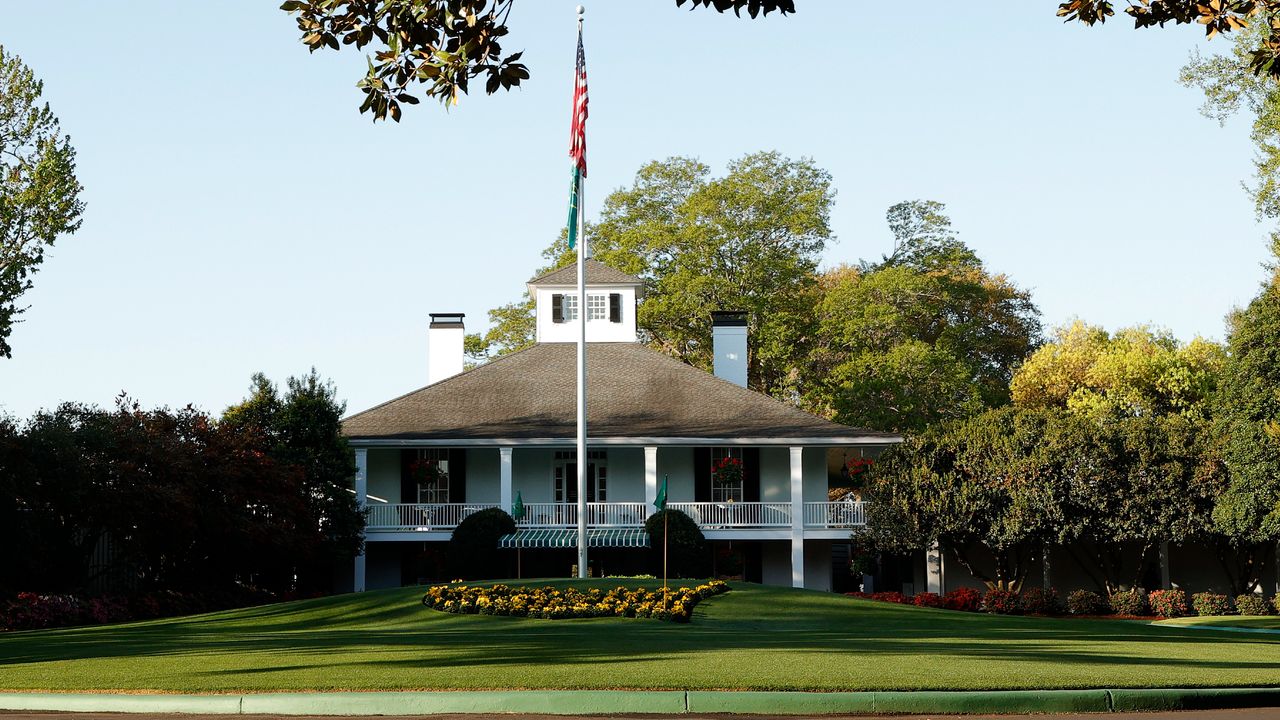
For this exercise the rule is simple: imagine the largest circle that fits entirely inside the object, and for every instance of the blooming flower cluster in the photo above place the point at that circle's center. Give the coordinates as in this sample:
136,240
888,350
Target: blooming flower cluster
551,603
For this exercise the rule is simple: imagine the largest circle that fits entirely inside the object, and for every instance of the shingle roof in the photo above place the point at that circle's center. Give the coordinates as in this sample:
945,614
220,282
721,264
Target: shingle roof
597,274
632,392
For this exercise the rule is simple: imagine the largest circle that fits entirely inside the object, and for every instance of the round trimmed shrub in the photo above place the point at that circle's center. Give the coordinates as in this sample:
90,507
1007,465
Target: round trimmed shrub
927,599
1002,602
1129,602
1039,601
1169,603
1084,602
1250,604
687,554
963,599
1210,604
473,548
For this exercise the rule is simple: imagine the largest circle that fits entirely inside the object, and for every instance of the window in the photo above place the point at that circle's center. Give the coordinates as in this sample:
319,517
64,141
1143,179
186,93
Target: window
431,472
565,476
726,475
597,307
570,308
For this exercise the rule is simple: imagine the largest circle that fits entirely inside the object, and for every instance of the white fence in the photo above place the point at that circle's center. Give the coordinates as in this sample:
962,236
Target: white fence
737,514
421,516
835,514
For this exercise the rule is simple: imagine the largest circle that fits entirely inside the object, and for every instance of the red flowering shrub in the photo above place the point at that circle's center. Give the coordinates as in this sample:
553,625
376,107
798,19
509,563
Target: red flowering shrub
893,597
1002,602
1168,603
1086,602
1207,603
1039,601
928,599
1129,602
963,599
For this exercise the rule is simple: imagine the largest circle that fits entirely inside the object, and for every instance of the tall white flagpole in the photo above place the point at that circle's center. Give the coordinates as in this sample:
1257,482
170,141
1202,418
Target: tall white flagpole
582,365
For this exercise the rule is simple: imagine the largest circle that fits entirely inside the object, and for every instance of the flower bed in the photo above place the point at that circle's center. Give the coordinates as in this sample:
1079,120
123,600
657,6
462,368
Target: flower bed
552,603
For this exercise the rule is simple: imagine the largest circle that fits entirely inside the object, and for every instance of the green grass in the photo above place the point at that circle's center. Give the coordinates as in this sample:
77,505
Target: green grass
1250,622
754,637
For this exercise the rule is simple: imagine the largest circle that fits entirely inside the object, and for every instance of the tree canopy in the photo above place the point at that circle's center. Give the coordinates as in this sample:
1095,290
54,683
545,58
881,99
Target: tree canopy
925,334
441,45
39,192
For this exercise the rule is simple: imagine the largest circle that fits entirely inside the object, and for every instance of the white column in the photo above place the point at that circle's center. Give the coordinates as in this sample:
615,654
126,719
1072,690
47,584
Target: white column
797,517
933,569
650,478
505,496
362,500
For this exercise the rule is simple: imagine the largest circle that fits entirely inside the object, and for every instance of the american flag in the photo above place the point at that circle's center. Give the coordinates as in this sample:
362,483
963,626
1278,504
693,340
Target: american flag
578,131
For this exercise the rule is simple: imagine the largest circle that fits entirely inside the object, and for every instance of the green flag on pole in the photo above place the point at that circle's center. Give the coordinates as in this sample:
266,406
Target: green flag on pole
575,191
660,502
517,508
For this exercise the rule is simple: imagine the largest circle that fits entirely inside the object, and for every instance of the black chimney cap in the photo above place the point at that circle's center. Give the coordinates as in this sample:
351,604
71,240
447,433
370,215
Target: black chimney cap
728,318
447,320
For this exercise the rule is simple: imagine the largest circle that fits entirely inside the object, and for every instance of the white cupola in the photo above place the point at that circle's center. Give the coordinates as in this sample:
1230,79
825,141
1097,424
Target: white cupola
610,306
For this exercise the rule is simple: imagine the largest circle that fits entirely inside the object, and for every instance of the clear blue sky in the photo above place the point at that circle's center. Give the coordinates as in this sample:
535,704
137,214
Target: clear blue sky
242,216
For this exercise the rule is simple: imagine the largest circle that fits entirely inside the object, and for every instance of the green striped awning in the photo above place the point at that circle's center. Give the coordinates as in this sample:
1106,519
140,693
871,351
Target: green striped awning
568,538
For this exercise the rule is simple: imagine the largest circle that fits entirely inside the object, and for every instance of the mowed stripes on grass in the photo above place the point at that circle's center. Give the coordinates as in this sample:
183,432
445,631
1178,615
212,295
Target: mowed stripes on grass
754,637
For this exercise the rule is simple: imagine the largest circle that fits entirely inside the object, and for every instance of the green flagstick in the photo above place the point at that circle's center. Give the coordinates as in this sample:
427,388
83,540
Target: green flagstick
517,512
660,502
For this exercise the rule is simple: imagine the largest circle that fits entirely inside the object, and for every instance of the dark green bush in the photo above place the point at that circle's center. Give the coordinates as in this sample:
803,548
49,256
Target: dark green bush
1129,602
1084,602
1002,602
687,554
1210,604
1251,604
473,549
1039,601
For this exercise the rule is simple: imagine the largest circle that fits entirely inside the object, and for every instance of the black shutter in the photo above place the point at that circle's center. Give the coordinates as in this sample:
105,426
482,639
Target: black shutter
615,307
557,308
458,475
751,474
702,474
408,488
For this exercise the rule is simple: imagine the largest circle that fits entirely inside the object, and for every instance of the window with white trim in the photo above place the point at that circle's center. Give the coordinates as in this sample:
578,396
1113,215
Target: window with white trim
565,488
730,490
570,307
597,307
431,472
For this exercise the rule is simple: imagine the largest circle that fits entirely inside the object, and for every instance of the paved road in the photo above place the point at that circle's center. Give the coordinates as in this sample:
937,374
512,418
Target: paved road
1251,714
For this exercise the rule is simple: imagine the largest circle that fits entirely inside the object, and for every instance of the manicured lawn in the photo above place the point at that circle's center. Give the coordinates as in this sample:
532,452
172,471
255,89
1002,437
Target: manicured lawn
753,637
1252,622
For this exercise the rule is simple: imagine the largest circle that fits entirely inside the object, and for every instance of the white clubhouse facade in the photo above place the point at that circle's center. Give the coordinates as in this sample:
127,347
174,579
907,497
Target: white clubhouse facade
505,430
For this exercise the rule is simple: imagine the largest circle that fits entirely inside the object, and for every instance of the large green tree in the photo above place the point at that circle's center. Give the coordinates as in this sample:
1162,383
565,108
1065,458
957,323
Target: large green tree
924,335
1248,409
749,240
39,193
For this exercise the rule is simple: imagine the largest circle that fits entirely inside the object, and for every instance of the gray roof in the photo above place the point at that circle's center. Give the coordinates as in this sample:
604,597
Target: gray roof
633,392
597,274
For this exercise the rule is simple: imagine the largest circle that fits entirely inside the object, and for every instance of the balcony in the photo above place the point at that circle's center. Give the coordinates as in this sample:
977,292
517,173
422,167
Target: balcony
441,517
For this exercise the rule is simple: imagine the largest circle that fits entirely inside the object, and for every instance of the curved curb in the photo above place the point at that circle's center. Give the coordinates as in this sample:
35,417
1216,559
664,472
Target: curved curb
667,702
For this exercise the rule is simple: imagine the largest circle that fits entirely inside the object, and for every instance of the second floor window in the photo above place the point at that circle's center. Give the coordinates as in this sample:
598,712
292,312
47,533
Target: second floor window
726,475
597,307
430,470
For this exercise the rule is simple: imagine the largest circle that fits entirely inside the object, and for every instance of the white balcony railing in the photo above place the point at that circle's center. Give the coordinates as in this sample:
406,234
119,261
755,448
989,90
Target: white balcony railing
711,515
599,514
420,516
835,514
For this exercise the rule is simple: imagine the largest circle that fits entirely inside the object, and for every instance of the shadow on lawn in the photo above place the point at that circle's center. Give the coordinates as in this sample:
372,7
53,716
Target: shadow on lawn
391,630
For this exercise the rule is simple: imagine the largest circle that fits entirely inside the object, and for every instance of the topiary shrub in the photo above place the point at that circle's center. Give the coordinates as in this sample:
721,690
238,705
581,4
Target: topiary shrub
1084,602
927,599
1209,604
1169,603
1250,604
473,548
1129,602
687,554
1039,601
1002,602
963,599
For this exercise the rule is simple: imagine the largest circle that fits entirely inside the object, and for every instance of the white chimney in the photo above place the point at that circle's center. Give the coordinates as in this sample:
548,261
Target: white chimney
729,343
444,346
